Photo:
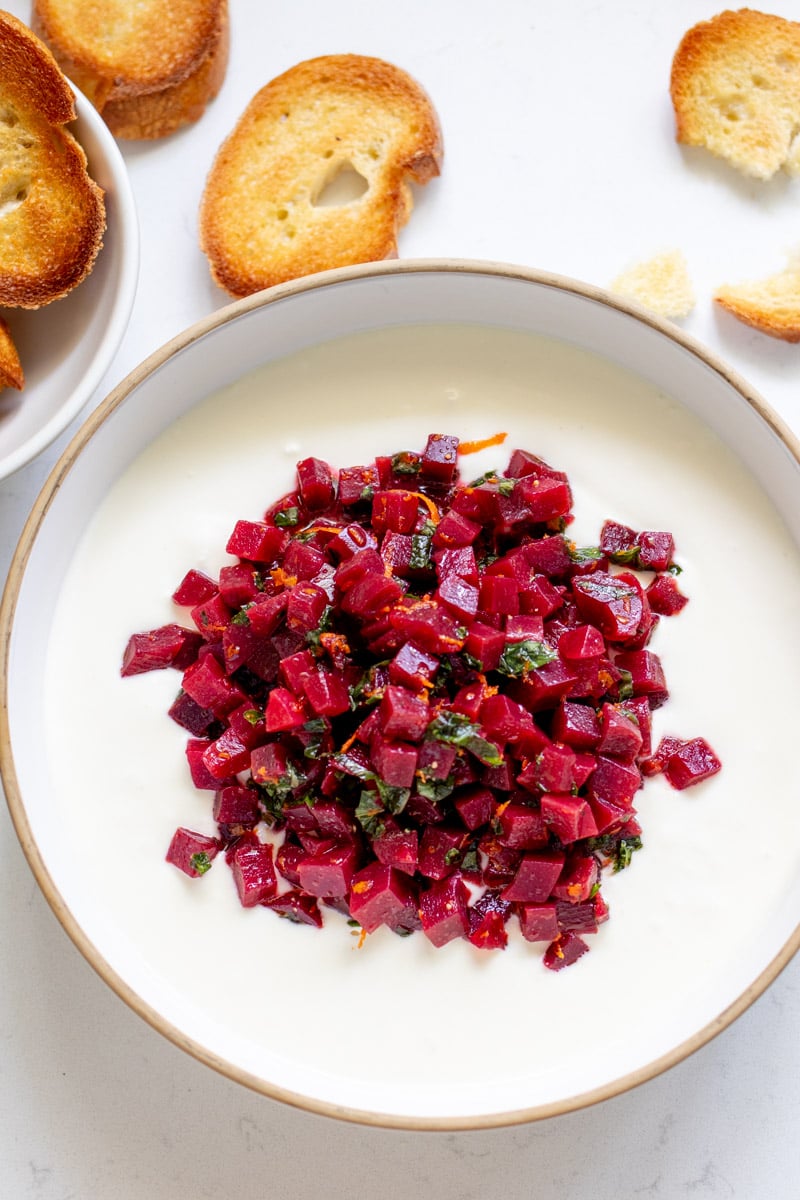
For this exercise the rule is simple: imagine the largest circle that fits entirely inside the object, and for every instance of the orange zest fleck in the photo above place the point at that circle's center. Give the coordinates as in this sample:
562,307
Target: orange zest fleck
496,439
429,504
362,937
281,579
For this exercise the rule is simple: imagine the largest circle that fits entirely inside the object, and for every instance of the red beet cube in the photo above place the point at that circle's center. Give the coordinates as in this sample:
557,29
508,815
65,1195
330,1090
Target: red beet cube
567,816
545,499
612,603
582,643
305,606
254,872
428,624
665,597
195,587
522,827
371,595
296,906
647,674
539,596
226,756
443,910
315,483
460,596
578,879
538,922
403,715
487,930
192,852
440,850
154,650
535,878
380,895
236,805
621,736
564,950
614,781
413,667
256,541
499,594
691,763
618,541
357,484
655,550
475,806
456,560
237,585
189,715
327,692
576,725
398,848
454,530
395,510
207,684
435,760
395,762
283,711
329,873
440,458
485,644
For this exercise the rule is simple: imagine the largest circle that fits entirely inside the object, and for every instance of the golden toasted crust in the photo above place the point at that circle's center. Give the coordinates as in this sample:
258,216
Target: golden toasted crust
661,284
52,215
771,305
261,222
735,88
113,49
11,374
156,114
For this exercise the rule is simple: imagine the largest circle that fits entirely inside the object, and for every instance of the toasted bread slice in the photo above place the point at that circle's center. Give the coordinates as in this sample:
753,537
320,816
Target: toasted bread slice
771,305
735,87
661,284
148,69
52,215
261,219
11,373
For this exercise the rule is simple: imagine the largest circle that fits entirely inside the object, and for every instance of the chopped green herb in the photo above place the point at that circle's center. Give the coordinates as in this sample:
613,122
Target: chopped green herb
367,493
420,552
470,860
625,685
253,715
241,617
406,463
520,657
625,851
201,862
286,517
435,789
487,477
393,799
506,486
452,856
456,729
625,555
674,569
584,554
370,814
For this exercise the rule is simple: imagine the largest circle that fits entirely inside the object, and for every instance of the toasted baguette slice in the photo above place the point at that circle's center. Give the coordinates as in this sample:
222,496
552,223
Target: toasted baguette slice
771,305
11,373
261,222
52,215
735,88
661,284
147,68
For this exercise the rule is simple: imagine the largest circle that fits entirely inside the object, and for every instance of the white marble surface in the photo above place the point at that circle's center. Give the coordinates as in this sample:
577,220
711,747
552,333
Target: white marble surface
560,155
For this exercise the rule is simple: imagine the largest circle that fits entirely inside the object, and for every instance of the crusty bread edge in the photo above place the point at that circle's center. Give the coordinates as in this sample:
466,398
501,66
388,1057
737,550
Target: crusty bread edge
11,372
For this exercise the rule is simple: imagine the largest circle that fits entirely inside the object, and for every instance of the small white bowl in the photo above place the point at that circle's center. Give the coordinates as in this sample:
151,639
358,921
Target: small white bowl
653,432
66,347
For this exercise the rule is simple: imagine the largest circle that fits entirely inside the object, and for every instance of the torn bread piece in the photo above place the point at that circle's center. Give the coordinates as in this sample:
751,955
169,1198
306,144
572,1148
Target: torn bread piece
264,217
11,373
148,69
735,88
770,305
661,284
52,214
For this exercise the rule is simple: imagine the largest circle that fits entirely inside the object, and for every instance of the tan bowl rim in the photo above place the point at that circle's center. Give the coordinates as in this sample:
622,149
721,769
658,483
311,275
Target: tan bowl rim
13,794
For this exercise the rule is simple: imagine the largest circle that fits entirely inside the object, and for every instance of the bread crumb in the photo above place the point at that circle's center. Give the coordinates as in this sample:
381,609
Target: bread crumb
661,284
771,305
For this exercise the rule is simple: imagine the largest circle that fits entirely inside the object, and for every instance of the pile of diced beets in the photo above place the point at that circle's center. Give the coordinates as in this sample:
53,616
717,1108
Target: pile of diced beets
437,704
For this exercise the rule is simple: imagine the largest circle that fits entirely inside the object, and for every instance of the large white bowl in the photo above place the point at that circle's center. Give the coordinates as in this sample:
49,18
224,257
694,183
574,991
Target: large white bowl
67,346
397,1033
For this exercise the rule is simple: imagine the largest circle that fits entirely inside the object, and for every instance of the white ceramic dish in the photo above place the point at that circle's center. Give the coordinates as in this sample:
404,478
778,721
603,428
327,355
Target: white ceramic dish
67,346
397,1033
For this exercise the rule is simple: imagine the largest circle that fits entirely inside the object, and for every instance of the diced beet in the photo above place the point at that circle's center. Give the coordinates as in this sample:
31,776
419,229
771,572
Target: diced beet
192,852
381,895
564,950
455,530
543,687
487,930
655,550
618,541
535,878
539,596
435,761
577,918
475,806
201,776
327,692
283,711
305,606
440,458
608,817
428,624
356,484
538,922
576,725
621,736
443,910
460,596
501,862
485,644
296,906
647,674
665,596
266,613
237,585
403,715
254,872
614,781
227,755
329,873
693,762
456,560
582,643
549,556
371,595
398,848
578,879
351,572
237,805
544,498
269,763
188,714
195,587
256,541
413,667
395,762
499,594
554,768
521,827
154,650
440,850
315,483
609,602
567,816
395,510
207,684
502,719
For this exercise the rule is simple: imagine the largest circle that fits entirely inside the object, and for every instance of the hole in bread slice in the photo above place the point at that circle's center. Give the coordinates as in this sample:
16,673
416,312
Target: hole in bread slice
341,186
13,192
